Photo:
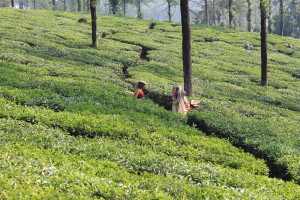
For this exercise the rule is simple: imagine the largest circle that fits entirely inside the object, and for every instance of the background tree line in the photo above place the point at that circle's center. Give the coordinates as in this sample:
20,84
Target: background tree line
61,5
283,16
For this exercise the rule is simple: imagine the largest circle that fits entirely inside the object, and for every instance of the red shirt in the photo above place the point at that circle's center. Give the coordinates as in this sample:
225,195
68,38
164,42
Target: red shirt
140,94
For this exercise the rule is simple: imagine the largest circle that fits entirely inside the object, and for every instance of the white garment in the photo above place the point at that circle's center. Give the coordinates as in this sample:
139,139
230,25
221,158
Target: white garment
178,102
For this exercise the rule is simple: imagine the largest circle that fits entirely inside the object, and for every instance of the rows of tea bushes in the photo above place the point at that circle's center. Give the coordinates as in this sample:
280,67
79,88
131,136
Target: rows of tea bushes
227,82
68,129
265,121
151,133
39,162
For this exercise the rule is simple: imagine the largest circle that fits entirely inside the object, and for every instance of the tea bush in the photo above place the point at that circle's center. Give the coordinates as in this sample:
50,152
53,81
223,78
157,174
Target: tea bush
39,162
69,130
152,134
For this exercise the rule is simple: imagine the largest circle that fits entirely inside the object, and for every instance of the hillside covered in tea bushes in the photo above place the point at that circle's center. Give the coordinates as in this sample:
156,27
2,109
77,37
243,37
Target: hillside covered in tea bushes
70,130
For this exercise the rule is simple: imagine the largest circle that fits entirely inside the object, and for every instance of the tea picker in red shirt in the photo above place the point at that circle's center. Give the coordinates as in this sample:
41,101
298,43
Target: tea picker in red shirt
138,90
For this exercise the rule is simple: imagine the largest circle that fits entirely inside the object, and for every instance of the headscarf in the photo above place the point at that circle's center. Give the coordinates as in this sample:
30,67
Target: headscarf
137,84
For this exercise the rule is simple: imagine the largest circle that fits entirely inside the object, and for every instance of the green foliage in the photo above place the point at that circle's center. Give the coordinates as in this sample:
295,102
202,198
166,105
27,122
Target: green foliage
290,16
114,5
264,8
250,15
69,130
51,163
5,3
94,3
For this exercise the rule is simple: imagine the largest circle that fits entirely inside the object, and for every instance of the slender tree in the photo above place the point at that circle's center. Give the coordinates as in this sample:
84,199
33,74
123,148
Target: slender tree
34,4
219,11
88,2
249,15
65,5
12,3
214,14
79,5
233,23
270,18
114,6
86,5
230,12
93,8
169,2
53,3
264,54
206,12
281,17
186,48
293,17
138,8
124,7
21,5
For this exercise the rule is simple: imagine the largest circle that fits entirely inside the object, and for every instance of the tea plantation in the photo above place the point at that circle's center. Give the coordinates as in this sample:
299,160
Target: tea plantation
70,130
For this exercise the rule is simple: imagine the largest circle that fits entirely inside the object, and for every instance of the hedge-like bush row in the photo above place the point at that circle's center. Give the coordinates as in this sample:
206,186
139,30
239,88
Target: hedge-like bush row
49,63
165,140
39,162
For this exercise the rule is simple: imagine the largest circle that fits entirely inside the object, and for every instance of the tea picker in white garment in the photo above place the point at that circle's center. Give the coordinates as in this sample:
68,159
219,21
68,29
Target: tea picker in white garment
180,102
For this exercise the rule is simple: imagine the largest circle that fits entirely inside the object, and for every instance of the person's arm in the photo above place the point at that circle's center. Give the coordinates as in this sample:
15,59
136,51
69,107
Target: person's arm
187,103
136,93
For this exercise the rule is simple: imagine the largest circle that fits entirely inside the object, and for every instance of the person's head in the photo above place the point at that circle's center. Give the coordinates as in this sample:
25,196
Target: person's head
177,88
247,44
289,44
178,91
141,84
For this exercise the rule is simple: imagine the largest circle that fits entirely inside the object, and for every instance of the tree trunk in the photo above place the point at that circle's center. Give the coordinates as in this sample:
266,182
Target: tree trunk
281,17
219,19
169,10
12,3
186,48
264,55
53,2
34,4
230,13
124,7
214,14
65,5
206,12
138,6
249,15
94,24
88,2
79,5
270,19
